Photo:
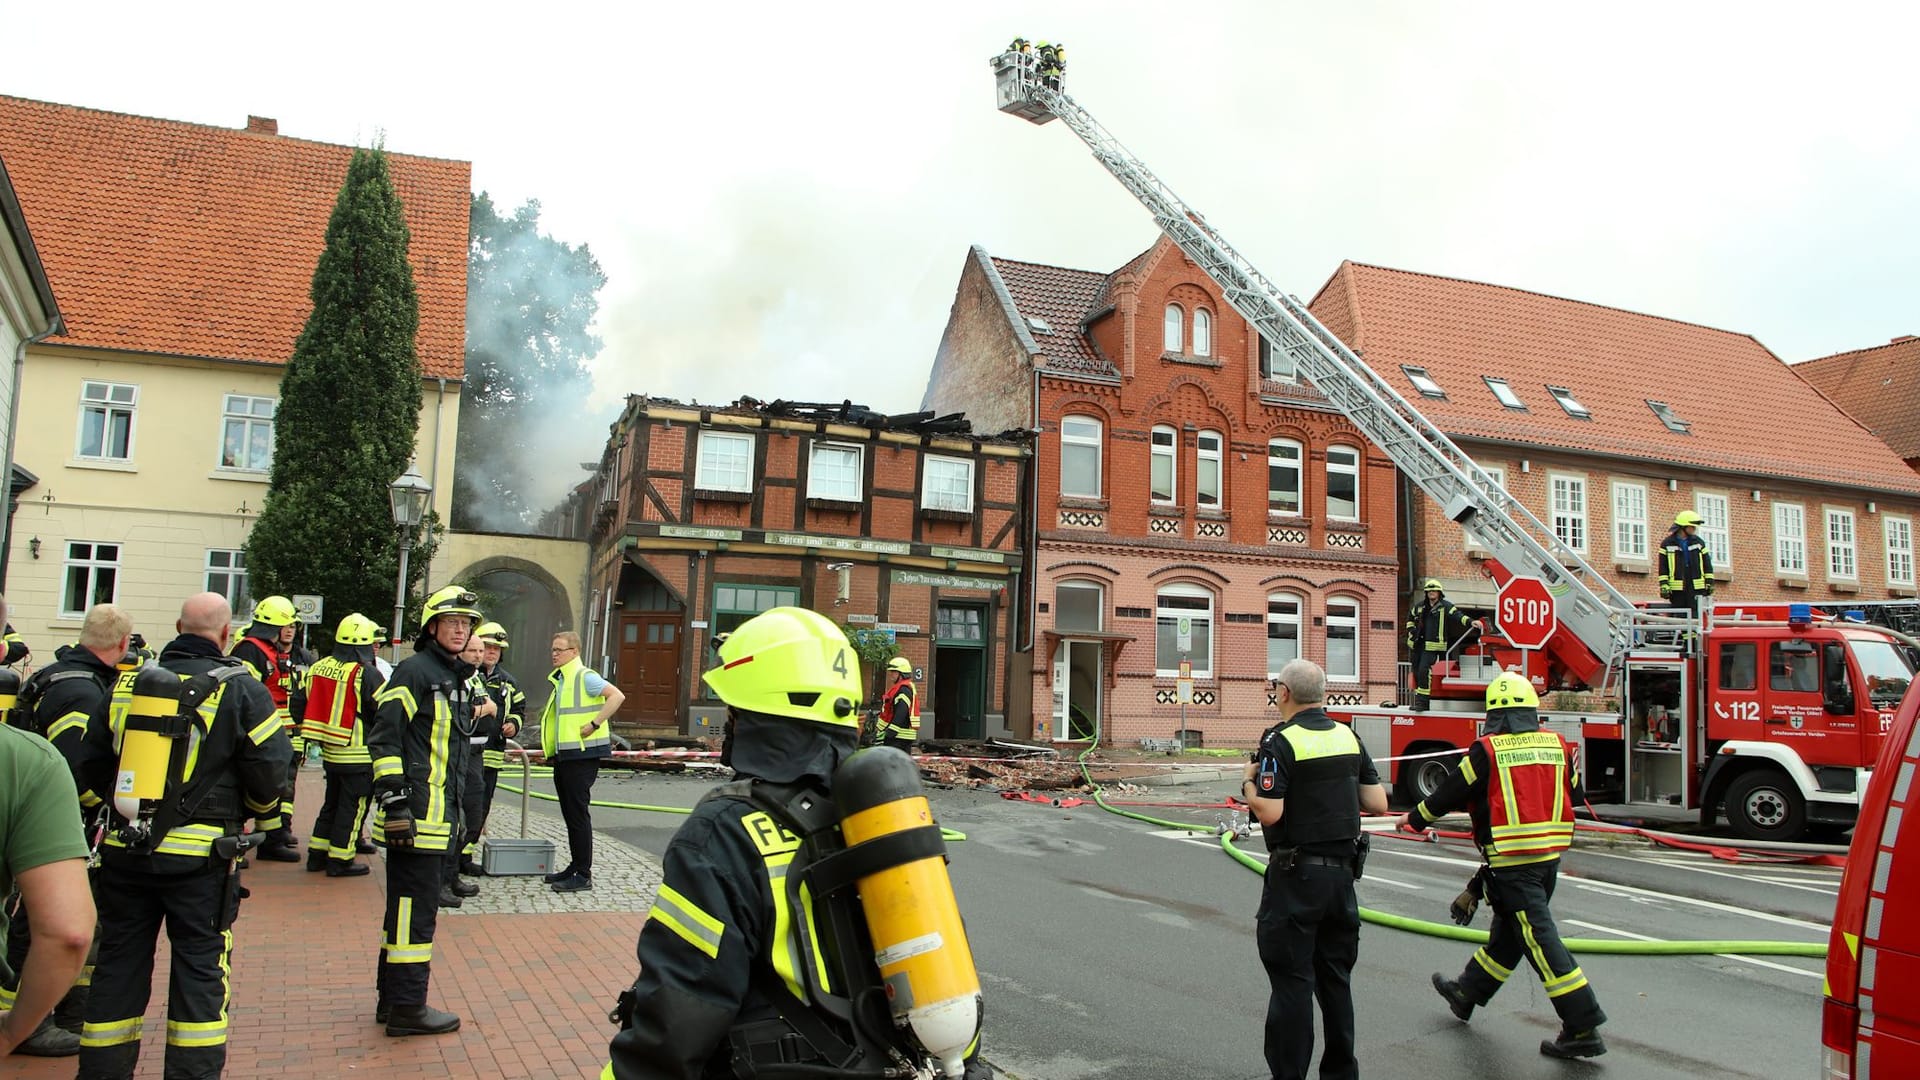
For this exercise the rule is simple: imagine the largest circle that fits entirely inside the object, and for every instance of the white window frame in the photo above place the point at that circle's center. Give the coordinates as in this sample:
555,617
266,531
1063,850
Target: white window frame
1297,464
1717,533
1295,619
1504,393
1202,332
1336,621
1352,470
951,491
1271,361
1567,507
236,588
1843,552
1790,539
1499,474
723,470
1173,329
817,489
246,413
1208,459
1163,452
1570,404
1202,664
1629,520
90,563
1078,443
1099,592
1898,532
105,398
1423,382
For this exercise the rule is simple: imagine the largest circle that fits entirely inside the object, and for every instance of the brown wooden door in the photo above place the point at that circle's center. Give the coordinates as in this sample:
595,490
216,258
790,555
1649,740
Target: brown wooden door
650,650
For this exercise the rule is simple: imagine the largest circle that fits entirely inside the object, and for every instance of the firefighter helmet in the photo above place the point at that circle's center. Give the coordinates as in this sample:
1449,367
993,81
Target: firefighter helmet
451,600
492,633
355,629
900,664
274,611
1688,517
791,662
1511,690
1431,585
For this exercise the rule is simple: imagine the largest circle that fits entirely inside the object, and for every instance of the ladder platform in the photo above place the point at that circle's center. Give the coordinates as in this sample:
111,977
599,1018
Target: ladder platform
1015,80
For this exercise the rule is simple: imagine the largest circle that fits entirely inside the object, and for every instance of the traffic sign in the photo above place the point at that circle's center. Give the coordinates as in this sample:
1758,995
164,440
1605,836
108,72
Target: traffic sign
1183,634
308,608
1525,612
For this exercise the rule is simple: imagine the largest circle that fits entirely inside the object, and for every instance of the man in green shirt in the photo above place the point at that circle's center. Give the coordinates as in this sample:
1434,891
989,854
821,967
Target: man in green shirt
43,851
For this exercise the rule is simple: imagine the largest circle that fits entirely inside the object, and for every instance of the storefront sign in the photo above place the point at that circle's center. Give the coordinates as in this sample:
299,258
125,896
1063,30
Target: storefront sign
699,532
840,543
946,581
968,554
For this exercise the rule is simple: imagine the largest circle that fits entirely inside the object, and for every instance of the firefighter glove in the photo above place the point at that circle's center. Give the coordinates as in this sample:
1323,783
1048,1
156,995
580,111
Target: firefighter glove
1468,902
399,818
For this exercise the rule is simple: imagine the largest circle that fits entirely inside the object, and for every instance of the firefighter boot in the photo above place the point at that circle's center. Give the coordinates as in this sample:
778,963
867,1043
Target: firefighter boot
420,1020
365,846
316,860
447,898
471,868
71,1013
463,888
1574,1044
1458,1001
1419,703
348,869
49,1040
280,847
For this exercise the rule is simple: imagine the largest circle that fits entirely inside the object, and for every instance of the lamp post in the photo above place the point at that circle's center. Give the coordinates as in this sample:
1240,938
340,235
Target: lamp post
409,494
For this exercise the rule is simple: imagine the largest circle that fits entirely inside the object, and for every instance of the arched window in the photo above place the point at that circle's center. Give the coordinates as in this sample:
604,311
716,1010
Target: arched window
1283,630
1283,476
1195,604
1343,483
1080,451
1077,605
1206,470
1160,467
1343,639
1176,328
1202,332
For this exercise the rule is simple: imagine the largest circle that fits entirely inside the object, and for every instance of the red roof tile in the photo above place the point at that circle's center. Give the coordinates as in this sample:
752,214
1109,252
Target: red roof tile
1743,404
190,240
1880,387
1061,298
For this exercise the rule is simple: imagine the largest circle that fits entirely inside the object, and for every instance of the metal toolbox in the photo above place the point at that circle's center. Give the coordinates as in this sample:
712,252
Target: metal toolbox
510,858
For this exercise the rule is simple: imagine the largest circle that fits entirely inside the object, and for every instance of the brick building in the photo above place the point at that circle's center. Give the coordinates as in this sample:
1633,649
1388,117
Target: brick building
1177,477
700,517
1879,387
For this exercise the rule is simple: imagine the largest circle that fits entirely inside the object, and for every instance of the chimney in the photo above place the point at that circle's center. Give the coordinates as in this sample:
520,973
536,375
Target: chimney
1901,338
263,125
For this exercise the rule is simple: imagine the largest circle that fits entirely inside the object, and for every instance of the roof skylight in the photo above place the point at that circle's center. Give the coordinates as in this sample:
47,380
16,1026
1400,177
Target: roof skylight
1504,393
1422,381
1670,418
1570,403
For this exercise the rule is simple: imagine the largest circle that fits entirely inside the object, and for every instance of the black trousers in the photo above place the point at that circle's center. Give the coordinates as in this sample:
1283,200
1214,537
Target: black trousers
198,909
1309,937
473,815
1523,926
413,910
1423,661
573,783
336,828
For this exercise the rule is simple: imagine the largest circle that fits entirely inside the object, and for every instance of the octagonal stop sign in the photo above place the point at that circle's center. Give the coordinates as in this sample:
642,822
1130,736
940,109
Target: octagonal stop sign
1525,612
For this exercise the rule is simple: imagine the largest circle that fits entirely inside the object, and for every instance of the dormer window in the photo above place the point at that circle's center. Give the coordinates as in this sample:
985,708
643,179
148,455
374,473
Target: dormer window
1040,324
1504,393
1670,418
1423,382
1570,403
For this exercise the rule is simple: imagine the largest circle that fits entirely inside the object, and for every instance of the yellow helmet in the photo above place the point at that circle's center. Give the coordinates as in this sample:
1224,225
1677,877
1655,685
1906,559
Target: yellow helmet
450,600
1688,517
492,633
792,662
355,629
1510,690
900,664
1431,585
274,611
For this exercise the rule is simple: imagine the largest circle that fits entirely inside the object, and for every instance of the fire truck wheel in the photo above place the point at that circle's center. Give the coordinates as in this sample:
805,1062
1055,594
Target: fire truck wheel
1421,777
1764,805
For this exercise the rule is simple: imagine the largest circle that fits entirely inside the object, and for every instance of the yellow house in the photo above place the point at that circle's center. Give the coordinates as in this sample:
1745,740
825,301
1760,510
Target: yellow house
182,255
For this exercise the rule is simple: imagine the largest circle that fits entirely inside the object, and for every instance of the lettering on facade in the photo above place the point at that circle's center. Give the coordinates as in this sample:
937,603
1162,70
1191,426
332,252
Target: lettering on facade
699,532
840,543
946,581
900,627
967,554
863,620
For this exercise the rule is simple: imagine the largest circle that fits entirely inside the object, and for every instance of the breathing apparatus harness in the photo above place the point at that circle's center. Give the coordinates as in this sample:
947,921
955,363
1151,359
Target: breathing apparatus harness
146,819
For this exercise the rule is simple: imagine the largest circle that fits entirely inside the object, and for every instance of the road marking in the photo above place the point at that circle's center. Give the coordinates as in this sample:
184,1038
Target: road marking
1834,890
1788,968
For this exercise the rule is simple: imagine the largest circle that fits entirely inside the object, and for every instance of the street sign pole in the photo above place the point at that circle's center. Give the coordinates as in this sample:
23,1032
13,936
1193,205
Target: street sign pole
1183,688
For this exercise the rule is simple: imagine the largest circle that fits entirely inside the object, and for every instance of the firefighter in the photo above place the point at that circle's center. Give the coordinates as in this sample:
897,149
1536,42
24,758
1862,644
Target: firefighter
721,968
573,736
16,647
485,720
265,648
1519,784
419,765
512,704
1436,630
900,718
171,854
1051,64
1686,566
340,705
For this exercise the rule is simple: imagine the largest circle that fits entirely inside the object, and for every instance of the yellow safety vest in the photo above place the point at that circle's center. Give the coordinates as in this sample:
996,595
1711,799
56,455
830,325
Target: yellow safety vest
569,708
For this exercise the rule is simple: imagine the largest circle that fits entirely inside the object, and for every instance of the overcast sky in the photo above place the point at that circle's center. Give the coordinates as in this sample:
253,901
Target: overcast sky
782,195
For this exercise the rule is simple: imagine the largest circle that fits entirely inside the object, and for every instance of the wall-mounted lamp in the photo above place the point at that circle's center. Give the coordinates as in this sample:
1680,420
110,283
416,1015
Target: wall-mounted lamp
1756,494
33,547
844,592
1872,509
1526,466
1673,485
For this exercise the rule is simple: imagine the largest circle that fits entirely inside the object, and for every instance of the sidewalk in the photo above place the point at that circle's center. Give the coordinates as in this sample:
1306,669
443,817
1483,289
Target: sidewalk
532,973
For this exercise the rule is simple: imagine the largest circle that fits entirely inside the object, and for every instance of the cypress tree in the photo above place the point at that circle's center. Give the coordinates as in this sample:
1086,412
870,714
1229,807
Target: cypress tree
349,412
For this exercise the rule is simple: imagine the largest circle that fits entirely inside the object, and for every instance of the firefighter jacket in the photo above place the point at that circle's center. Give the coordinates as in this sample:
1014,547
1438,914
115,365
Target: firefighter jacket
234,769
1318,766
1520,789
1686,566
1433,627
419,743
340,706
512,704
16,647
569,708
903,708
268,664
64,694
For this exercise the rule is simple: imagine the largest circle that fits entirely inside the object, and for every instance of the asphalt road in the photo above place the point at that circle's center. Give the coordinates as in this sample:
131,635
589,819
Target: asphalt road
1110,948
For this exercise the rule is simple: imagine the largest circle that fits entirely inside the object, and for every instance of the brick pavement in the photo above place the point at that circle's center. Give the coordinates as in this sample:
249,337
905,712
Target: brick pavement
531,973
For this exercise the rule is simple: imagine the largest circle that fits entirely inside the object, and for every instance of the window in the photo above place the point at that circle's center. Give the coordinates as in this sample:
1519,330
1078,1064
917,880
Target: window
1498,473
1570,511
1276,364
1899,533
227,575
734,604
1283,631
1206,481
948,485
1080,456
93,577
106,421
1570,403
835,473
1670,418
1504,393
1714,533
1040,324
958,622
1343,483
1793,666
1283,476
1423,382
1196,605
1343,640
1629,521
1840,563
1202,332
1739,665
1789,538
1176,332
1160,465
725,462
246,433
1076,606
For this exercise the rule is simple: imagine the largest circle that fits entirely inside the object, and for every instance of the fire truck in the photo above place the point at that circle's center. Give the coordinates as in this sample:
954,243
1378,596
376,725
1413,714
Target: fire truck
1774,711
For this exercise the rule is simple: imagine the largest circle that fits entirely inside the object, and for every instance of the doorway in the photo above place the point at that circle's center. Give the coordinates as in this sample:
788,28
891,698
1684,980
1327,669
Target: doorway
959,692
649,666
1076,691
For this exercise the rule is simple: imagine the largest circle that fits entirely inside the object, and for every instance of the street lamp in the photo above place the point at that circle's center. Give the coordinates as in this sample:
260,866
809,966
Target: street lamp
409,495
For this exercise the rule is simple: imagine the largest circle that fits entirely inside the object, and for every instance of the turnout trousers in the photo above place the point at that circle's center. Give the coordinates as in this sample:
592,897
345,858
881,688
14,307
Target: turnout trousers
336,828
473,816
413,909
197,909
1523,926
1309,937
573,782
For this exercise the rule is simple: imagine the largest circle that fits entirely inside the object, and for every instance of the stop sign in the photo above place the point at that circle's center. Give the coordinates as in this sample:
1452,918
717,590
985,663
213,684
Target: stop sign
1525,612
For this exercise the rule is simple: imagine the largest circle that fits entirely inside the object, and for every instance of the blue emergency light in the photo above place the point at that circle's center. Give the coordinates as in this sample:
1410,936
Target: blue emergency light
1856,616
1799,616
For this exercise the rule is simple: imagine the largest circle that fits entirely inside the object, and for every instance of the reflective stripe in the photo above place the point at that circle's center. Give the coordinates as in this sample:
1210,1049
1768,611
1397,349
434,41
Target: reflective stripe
403,950
684,917
1558,984
65,724
384,767
393,692
112,1032
196,1033
190,839
264,730
1488,965
1309,744
568,709
784,950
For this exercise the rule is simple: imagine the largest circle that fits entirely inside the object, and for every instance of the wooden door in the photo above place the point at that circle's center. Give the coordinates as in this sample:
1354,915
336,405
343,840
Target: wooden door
649,659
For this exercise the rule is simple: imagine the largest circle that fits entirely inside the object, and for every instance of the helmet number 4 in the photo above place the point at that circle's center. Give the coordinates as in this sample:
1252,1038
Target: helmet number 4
840,662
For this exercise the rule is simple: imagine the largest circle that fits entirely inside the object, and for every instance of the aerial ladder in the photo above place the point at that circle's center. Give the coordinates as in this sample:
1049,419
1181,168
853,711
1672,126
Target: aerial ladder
1597,624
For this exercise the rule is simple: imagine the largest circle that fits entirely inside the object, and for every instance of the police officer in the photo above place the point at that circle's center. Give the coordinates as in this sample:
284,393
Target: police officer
1308,784
164,860
1519,785
719,986
265,648
419,764
1435,630
901,722
340,706
512,705
1686,566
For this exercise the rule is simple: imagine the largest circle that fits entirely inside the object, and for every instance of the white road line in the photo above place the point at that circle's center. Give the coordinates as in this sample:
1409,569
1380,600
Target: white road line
1711,871
1788,968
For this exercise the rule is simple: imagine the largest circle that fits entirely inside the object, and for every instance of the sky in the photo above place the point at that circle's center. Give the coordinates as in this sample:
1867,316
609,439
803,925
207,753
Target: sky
783,195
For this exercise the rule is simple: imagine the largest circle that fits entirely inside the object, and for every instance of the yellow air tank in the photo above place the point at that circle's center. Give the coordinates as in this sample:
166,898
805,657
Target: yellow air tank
918,941
9,696
145,752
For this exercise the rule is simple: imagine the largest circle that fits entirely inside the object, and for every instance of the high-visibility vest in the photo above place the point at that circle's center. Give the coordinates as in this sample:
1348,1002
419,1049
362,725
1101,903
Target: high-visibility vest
1529,809
569,708
904,687
333,712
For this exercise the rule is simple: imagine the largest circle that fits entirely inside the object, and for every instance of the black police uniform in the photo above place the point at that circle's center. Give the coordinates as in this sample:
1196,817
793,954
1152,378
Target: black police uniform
1309,921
